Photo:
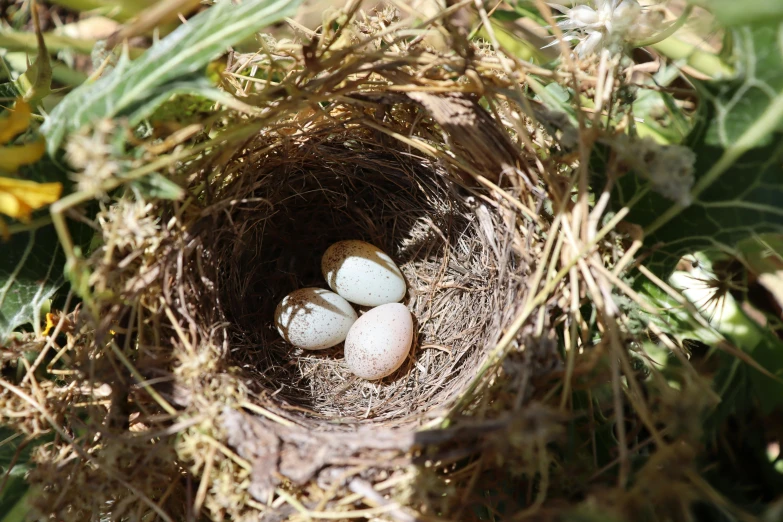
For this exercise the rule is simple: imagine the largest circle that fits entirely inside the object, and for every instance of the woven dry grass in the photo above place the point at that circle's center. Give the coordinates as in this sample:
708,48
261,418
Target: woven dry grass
264,218
270,226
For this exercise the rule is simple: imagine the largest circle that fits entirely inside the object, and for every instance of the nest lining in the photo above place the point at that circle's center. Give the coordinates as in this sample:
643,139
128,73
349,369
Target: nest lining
272,224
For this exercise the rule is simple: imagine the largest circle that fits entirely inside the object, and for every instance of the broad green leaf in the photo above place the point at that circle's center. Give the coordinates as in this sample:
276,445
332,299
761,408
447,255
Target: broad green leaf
747,200
197,86
732,12
31,274
177,58
741,114
31,271
738,189
13,502
749,109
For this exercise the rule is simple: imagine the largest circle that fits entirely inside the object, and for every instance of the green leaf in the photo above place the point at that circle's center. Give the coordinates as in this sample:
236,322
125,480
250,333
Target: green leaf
157,186
731,12
749,108
197,86
179,57
19,511
738,189
31,271
746,201
13,504
8,93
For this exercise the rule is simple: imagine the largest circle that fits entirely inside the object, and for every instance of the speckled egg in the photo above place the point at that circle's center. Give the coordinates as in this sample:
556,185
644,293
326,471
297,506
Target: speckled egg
314,318
362,273
378,343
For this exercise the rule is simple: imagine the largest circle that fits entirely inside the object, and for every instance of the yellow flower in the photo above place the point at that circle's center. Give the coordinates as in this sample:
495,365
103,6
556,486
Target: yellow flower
19,197
15,122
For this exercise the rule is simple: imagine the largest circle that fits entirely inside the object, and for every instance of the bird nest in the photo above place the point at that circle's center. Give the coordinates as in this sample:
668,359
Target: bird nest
215,268
266,217
205,395
268,229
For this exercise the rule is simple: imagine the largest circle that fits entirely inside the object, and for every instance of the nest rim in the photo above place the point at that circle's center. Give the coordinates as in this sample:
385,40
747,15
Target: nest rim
439,214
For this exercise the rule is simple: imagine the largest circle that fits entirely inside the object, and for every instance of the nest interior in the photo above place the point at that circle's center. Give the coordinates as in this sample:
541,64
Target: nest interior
278,212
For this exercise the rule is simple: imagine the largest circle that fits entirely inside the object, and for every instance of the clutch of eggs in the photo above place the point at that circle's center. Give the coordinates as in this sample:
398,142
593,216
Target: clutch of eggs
362,273
314,318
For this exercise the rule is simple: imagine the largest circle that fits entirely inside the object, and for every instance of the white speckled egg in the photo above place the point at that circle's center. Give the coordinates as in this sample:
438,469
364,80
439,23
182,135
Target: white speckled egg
362,273
378,343
314,318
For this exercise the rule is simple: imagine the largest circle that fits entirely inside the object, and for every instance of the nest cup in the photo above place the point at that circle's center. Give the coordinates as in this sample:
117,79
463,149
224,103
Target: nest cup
281,209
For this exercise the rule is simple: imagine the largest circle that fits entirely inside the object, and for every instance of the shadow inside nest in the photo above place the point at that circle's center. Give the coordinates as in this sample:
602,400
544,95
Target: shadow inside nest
272,227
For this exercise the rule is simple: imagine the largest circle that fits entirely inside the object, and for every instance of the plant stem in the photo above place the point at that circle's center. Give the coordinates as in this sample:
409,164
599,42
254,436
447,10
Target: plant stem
702,61
121,10
21,41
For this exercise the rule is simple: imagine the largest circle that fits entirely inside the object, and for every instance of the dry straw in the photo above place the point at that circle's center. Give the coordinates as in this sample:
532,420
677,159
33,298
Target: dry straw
179,398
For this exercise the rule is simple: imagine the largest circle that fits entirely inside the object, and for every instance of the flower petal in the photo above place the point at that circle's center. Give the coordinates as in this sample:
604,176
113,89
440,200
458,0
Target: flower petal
14,156
16,121
589,44
19,197
583,16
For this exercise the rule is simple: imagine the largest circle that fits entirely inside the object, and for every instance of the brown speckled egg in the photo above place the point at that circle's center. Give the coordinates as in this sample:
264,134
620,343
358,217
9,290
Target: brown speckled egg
378,343
314,318
362,273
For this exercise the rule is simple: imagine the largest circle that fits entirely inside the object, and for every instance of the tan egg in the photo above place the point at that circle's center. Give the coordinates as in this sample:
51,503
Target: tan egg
362,273
379,342
314,318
